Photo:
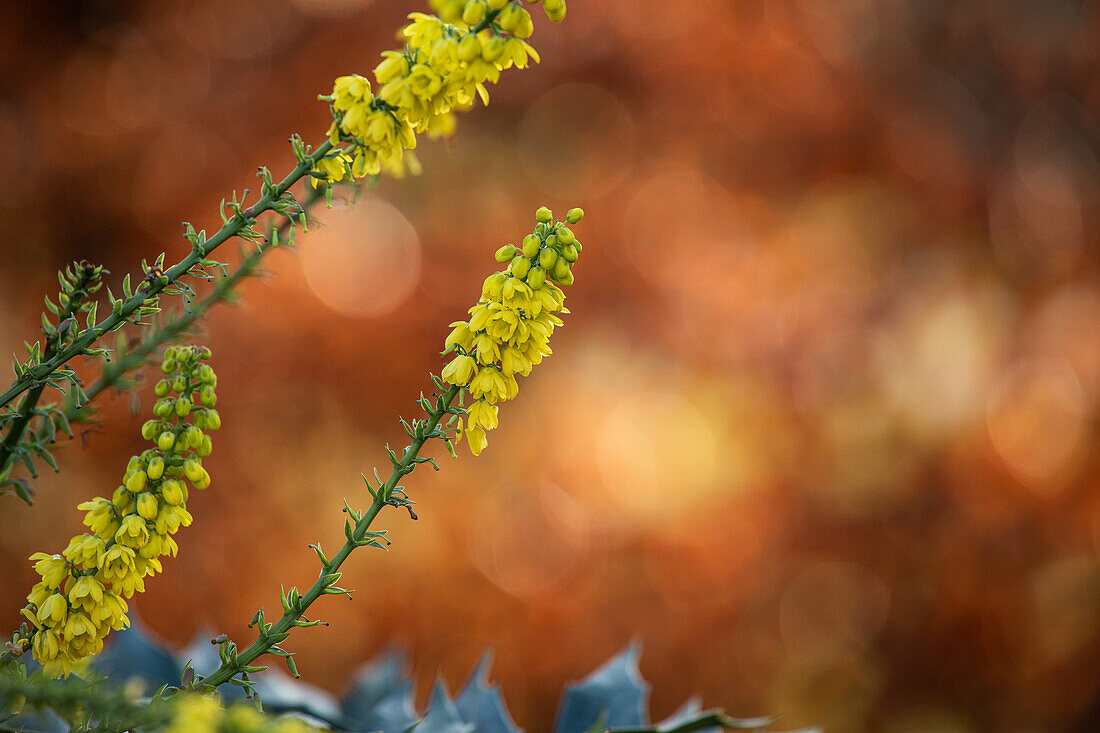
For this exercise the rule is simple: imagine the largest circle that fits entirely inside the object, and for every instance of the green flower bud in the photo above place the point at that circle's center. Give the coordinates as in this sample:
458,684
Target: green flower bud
179,384
207,376
168,366
577,244
149,429
206,448
184,354
552,240
135,481
147,505
567,280
166,440
200,420
162,388
519,267
204,352
544,215
183,407
156,468
193,436
566,236
498,4
164,408
531,244
547,258
574,215
506,253
570,253
213,420
536,277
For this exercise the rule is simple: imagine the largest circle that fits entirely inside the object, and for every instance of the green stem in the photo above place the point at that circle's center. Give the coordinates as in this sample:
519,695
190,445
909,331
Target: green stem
26,407
223,289
231,228
382,497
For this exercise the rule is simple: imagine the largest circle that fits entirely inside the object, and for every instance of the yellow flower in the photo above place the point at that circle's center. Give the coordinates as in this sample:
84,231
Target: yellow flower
133,532
53,568
86,594
54,610
460,370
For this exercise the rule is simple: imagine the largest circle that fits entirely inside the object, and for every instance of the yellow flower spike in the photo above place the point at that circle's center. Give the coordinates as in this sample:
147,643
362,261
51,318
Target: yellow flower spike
510,327
81,597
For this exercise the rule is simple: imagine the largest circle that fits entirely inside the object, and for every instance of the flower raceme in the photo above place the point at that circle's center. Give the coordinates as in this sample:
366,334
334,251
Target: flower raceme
510,326
81,594
444,67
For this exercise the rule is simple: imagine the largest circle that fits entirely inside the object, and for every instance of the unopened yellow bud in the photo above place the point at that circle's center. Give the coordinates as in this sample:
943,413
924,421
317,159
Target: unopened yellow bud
574,215
561,269
162,388
163,408
166,440
149,429
555,10
492,49
156,468
473,13
498,4
172,491
147,505
505,253
565,236
469,48
543,215
206,448
179,384
536,277
192,469
570,253
547,258
207,396
213,420
531,244
135,481
183,407
168,366
519,267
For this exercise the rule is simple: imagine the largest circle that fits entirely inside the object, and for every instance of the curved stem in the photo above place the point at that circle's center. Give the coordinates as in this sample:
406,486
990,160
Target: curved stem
26,407
129,307
223,289
290,617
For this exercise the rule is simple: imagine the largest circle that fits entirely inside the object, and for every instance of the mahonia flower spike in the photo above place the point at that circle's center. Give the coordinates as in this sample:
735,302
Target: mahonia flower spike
80,597
510,327
446,62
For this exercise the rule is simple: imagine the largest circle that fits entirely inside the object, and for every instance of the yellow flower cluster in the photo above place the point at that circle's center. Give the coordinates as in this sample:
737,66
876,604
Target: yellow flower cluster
445,65
203,714
81,595
510,327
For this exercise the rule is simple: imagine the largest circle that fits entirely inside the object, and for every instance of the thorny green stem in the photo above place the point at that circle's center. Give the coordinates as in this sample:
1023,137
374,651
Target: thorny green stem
223,289
26,407
230,229
404,466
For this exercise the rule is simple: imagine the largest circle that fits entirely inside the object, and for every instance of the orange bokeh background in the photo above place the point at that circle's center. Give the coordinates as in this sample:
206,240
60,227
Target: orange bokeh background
820,430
